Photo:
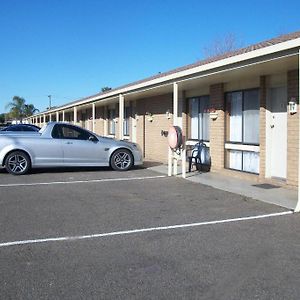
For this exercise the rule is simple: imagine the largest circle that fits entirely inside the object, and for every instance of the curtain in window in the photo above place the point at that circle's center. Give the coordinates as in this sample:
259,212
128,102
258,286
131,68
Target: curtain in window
236,116
251,117
194,118
235,160
200,118
126,121
111,122
251,162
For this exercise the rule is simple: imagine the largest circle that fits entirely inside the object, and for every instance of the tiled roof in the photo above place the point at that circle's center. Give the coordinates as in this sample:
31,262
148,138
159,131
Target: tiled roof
271,42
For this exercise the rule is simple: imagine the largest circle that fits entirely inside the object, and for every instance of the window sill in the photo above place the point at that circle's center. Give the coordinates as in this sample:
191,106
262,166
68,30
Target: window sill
249,148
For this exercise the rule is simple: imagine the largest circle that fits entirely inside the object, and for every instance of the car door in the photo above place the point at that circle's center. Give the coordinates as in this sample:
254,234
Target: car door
46,152
80,147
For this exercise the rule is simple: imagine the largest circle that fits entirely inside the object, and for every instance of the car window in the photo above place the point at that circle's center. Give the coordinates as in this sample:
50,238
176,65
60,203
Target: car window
55,131
20,128
71,132
27,128
14,128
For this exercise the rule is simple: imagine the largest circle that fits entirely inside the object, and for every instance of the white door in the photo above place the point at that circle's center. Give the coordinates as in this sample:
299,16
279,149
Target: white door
278,125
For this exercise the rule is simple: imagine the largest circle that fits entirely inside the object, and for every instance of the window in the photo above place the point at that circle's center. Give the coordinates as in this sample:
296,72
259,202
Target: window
127,114
242,128
199,112
111,121
71,132
243,117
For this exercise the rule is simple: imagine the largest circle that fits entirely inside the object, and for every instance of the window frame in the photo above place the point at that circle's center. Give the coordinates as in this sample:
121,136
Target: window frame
232,145
227,121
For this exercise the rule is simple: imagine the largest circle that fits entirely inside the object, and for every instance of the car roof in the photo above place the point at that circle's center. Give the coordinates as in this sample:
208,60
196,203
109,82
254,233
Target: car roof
16,126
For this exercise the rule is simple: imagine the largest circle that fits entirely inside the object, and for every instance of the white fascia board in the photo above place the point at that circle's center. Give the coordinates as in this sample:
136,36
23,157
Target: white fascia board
219,63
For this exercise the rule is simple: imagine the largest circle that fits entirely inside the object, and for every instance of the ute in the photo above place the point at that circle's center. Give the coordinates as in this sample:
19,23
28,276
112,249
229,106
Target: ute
64,145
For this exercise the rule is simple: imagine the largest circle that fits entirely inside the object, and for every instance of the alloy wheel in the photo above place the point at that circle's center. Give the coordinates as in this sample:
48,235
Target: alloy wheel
122,160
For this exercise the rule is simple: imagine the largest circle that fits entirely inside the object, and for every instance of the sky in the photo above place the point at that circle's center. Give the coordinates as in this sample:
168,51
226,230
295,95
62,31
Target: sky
72,48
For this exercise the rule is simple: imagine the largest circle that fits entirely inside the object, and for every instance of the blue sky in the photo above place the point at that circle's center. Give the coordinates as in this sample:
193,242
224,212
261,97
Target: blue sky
72,48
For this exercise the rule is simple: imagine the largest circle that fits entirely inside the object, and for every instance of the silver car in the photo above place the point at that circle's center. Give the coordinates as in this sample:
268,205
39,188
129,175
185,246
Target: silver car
65,145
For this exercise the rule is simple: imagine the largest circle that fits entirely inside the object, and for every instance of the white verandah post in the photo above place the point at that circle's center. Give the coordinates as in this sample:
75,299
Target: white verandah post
57,116
172,158
297,208
121,116
175,123
93,116
75,115
63,116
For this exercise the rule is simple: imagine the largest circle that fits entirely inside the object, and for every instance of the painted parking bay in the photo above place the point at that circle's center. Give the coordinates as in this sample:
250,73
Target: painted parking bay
166,262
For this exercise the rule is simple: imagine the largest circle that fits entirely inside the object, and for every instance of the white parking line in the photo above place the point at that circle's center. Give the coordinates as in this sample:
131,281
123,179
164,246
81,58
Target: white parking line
101,235
80,181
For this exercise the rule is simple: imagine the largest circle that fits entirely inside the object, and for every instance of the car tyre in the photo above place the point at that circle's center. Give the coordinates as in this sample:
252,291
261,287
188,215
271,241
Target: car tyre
17,163
121,160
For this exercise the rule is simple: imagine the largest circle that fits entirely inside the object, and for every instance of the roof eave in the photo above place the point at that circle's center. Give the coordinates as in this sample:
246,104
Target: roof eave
295,43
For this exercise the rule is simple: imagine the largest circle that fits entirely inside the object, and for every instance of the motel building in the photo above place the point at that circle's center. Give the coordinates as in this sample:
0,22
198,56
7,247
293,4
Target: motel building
243,105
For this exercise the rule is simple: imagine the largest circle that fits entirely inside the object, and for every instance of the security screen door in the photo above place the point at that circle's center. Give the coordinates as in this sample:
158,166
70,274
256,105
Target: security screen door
278,126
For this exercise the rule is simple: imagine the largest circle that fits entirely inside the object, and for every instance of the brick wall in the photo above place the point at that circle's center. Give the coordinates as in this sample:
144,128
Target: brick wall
217,127
140,128
154,145
99,120
293,127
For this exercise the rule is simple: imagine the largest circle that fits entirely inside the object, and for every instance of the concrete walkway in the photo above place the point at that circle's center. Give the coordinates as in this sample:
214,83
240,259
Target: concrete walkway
267,193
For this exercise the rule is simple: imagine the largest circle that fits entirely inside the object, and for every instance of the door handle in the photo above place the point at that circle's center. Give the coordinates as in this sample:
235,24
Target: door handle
69,143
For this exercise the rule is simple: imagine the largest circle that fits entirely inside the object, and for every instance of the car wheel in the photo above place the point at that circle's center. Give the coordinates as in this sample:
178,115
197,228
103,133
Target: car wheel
121,160
17,163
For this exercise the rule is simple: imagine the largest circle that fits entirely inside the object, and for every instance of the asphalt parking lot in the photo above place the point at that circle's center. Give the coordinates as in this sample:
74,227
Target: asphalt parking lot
99,234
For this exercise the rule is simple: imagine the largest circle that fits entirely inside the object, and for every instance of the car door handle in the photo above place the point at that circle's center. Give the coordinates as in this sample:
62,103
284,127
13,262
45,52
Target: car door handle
69,143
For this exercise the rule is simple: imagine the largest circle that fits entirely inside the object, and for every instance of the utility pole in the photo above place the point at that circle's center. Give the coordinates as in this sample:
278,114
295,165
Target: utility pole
49,96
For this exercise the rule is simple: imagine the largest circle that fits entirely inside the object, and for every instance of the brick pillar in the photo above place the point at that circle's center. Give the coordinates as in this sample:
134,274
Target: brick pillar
217,127
99,122
262,127
292,128
140,124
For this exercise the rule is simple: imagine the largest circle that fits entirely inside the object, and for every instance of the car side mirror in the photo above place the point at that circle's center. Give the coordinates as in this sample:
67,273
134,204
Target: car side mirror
92,138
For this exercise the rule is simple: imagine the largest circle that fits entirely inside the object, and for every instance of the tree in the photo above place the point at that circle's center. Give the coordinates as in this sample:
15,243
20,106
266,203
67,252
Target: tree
220,46
19,109
105,89
16,108
2,118
29,110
